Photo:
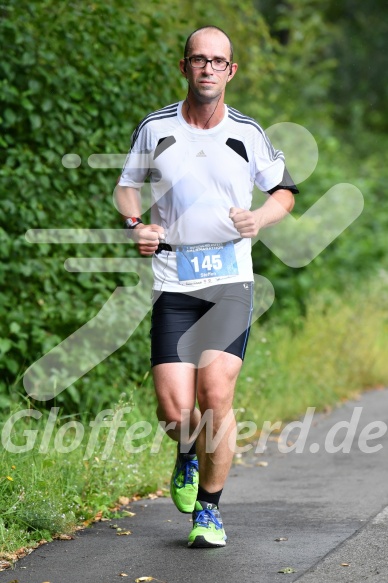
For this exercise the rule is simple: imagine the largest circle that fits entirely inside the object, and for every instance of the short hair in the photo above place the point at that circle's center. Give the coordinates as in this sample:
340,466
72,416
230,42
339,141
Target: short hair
188,41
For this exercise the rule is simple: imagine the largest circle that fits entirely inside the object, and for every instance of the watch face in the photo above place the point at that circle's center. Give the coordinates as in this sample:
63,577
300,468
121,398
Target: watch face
132,222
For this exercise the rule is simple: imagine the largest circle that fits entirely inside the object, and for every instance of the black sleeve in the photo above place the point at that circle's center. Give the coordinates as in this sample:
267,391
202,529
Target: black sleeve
286,183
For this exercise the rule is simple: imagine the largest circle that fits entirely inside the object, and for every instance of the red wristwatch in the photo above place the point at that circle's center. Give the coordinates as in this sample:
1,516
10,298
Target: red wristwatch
132,222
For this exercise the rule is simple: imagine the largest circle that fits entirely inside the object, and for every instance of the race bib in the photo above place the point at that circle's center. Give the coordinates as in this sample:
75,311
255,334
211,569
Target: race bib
205,262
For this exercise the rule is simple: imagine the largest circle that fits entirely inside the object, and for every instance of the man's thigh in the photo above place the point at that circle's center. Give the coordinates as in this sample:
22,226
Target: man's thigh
172,315
175,386
226,326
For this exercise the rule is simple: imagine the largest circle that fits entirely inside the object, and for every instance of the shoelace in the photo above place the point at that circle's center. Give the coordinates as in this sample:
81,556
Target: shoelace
188,467
203,517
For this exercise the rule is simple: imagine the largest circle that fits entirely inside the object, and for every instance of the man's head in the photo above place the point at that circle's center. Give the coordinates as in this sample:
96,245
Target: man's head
207,28
208,62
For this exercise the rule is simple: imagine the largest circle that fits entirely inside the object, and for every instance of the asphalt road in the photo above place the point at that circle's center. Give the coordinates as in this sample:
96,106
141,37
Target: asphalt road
332,507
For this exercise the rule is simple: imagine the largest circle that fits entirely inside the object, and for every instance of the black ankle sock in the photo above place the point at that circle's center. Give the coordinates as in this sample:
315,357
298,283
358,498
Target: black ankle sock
191,451
209,497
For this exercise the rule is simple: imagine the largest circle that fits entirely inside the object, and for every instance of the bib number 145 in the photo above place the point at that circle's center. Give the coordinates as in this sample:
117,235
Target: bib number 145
205,262
209,262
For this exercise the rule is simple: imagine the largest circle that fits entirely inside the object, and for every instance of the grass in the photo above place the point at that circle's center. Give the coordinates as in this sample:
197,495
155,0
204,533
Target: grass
337,349
48,490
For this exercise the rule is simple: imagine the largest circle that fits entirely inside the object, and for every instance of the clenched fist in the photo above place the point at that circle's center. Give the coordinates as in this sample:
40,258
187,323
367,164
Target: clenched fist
147,238
244,221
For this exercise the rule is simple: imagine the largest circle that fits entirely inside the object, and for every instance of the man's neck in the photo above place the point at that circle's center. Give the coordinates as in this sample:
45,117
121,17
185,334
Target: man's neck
203,115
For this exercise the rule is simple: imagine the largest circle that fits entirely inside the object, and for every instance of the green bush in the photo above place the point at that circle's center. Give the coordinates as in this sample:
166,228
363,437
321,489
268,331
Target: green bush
71,83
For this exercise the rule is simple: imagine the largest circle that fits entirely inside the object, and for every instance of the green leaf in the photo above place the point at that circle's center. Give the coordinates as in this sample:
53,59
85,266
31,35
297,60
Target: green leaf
5,345
14,328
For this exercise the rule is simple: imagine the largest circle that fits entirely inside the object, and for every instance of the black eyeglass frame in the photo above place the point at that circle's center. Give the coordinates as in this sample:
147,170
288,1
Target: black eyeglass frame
227,63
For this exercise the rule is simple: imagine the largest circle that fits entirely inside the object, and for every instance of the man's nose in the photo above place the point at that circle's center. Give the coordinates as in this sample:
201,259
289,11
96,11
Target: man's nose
208,67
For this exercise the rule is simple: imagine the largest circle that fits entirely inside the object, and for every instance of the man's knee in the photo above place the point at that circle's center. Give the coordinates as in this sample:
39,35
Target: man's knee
216,399
173,414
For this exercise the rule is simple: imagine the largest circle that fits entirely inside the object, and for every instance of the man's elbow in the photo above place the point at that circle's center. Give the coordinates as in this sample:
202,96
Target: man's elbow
286,198
291,201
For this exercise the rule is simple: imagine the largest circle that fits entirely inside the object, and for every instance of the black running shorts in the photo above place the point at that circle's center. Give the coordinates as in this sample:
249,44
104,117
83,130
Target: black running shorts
183,325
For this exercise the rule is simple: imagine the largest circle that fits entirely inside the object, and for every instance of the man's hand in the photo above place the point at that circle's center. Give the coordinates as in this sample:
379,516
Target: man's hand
275,208
244,221
147,238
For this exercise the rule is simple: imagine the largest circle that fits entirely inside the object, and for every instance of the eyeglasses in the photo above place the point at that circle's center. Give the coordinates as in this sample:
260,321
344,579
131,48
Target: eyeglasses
201,62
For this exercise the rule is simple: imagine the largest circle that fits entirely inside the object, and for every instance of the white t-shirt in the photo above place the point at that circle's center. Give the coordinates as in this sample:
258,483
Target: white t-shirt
196,176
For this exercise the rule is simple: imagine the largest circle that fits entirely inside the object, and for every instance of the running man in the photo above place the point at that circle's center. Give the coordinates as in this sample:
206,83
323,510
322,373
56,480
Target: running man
202,158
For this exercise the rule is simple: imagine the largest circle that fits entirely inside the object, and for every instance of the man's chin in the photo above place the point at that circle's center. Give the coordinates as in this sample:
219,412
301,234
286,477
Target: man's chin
207,94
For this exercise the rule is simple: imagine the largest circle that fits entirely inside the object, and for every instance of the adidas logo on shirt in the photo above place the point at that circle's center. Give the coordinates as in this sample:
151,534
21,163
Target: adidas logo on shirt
201,154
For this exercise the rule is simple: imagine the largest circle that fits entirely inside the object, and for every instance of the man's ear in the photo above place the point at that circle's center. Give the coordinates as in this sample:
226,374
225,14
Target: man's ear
232,71
183,66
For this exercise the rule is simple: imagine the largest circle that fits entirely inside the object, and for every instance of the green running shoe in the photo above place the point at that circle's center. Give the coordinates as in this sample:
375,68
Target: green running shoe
184,482
208,530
